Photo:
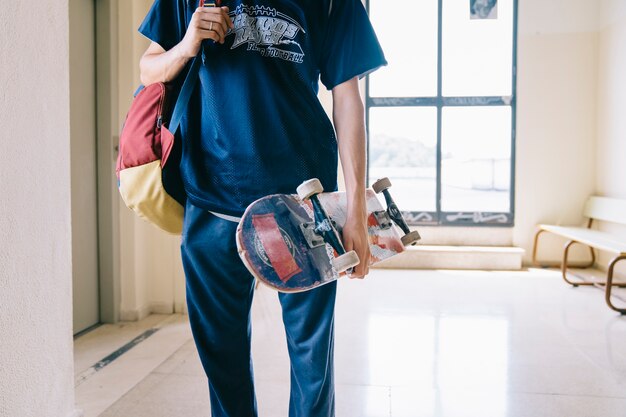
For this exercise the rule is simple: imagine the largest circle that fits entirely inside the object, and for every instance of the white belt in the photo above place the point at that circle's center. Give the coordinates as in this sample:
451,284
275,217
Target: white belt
226,217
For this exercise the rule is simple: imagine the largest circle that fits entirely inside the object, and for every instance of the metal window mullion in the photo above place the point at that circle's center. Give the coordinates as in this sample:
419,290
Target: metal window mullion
484,101
402,101
439,104
474,101
368,105
513,116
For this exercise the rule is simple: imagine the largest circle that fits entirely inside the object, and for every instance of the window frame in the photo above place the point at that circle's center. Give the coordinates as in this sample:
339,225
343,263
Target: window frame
446,218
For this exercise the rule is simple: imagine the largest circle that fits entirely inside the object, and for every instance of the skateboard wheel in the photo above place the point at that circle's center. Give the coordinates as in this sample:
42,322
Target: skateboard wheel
381,185
346,261
411,238
309,188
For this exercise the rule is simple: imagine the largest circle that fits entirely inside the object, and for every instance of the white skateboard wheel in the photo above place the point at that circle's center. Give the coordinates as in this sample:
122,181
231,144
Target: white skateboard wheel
346,261
309,188
381,185
411,238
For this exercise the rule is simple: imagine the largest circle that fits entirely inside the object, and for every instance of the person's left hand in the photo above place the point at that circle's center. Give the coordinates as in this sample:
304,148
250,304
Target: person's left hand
355,237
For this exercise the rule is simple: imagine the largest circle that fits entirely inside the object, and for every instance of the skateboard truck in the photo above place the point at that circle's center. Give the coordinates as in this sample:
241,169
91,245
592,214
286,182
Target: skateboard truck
313,239
410,236
324,228
383,219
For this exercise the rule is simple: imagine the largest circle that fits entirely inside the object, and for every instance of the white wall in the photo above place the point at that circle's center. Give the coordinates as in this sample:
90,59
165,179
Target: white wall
36,371
611,129
556,125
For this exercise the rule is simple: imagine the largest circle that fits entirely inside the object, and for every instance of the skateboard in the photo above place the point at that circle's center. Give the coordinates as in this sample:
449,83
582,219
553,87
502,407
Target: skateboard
292,242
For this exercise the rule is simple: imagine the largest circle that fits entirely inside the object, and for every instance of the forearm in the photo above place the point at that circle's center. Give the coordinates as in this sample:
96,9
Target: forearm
349,119
162,67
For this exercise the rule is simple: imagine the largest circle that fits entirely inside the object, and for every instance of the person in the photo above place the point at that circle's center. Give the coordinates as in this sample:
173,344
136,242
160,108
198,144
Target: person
484,9
255,126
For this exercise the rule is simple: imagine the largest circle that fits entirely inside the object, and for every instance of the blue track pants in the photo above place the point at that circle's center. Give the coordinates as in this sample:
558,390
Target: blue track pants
219,296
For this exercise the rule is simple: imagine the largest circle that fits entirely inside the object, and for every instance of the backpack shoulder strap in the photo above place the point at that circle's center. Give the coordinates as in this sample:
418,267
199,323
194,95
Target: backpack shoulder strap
185,95
190,80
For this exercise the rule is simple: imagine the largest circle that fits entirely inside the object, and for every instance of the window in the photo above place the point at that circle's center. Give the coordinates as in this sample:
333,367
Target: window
441,116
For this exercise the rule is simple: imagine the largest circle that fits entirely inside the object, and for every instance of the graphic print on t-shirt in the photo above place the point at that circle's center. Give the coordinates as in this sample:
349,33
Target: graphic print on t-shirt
267,31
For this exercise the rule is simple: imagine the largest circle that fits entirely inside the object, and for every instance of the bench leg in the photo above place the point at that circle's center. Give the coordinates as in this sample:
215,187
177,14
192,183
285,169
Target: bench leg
610,285
535,246
564,265
567,276
539,264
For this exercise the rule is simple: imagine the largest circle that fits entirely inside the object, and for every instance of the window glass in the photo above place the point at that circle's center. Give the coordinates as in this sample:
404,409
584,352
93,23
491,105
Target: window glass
477,53
407,31
476,159
403,147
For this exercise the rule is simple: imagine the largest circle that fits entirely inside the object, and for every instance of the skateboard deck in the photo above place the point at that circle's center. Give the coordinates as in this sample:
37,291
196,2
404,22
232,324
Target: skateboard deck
276,241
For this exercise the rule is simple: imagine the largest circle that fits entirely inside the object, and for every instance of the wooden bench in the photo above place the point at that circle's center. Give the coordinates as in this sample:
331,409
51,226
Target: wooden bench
596,208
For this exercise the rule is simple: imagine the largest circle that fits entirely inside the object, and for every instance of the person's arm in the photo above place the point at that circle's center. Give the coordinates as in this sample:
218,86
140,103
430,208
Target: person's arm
349,120
158,65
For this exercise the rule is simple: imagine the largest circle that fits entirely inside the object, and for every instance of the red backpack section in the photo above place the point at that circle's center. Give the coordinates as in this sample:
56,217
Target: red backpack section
145,145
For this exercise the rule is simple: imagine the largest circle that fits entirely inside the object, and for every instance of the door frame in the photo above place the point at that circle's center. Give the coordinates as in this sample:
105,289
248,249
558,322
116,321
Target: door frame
106,24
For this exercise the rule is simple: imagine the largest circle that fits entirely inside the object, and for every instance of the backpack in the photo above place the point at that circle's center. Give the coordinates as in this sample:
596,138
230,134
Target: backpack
147,167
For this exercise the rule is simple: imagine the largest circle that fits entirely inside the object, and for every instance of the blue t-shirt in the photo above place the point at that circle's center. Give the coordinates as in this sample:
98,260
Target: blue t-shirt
254,125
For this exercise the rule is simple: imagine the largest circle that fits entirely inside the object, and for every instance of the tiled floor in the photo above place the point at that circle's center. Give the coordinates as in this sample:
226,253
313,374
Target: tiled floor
408,344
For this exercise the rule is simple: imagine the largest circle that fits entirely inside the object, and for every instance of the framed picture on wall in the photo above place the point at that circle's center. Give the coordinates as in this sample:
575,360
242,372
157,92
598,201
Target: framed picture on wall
483,9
